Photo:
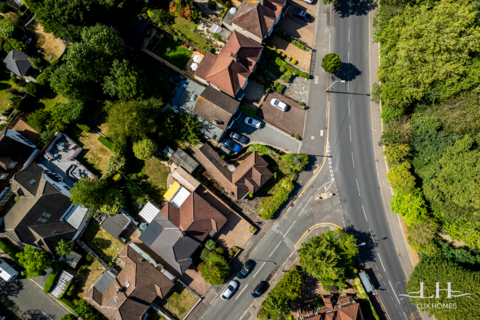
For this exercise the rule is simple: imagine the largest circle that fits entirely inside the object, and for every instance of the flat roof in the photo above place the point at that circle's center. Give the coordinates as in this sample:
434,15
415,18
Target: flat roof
180,197
149,212
172,191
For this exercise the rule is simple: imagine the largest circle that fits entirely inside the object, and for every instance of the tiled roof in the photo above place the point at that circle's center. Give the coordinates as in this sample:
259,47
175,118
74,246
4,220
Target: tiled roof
17,62
213,104
25,130
343,309
182,159
256,18
115,224
249,176
230,69
130,294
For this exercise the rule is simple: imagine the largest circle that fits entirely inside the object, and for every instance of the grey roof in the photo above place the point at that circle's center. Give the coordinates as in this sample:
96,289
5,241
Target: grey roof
182,159
166,240
115,224
76,216
72,259
29,178
105,281
17,62
220,99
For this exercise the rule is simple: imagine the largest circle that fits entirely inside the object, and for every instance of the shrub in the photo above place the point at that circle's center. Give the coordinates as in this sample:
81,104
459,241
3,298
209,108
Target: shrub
294,61
296,136
248,111
267,89
262,150
52,278
16,198
204,254
175,38
219,250
200,265
235,249
89,257
117,177
283,55
215,269
279,52
32,88
144,149
45,138
331,63
252,229
44,77
84,127
66,290
278,87
105,142
290,68
279,194
282,69
21,82
286,76
210,244
8,250
250,195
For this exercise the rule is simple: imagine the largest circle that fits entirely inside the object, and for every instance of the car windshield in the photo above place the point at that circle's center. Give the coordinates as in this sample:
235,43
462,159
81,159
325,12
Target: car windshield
235,136
250,120
230,288
276,102
229,143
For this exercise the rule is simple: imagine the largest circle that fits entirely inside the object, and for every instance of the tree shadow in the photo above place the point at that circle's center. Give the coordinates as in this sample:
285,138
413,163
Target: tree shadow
365,251
346,8
101,244
347,72
38,315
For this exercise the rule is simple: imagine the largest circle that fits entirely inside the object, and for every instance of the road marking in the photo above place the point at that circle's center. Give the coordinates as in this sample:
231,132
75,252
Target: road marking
324,184
313,137
364,213
354,164
321,133
405,314
241,292
350,127
348,83
274,249
348,53
349,108
289,229
394,291
305,206
348,34
357,182
381,262
316,79
259,270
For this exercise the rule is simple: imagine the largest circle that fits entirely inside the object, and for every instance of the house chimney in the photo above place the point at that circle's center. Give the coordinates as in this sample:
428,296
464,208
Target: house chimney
181,234
233,56
260,2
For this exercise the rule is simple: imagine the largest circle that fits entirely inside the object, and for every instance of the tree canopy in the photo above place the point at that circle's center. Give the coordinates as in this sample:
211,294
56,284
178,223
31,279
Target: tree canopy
124,81
215,269
34,261
64,247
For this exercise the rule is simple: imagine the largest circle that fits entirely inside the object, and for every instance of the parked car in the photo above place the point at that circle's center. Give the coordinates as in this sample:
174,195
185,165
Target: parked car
229,290
238,137
302,15
246,268
260,289
225,150
279,104
231,145
309,1
253,122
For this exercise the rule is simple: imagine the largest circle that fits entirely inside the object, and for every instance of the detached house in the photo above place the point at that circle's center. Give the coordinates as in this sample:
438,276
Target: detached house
248,177
229,71
255,18
341,308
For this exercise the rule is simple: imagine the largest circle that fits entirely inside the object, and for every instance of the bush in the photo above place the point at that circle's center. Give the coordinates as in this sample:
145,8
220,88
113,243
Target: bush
250,195
44,77
68,303
210,244
283,55
286,76
32,88
278,87
105,142
252,229
45,138
8,250
52,278
248,111
279,52
66,290
279,194
200,265
282,69
144,149
84,127
215,269
296,136
16,198
262,150
331,63
89,257
117,177
290,68
204,254
294,61
219,250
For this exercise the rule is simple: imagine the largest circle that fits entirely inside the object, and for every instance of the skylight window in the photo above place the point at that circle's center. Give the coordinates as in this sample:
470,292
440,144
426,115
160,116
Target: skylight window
127,284
3,176
43,220
116,299
47,215
33,181
194,97
12,165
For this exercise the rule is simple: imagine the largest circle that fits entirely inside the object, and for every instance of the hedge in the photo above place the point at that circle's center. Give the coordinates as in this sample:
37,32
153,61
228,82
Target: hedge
84,127
8,250
279,194
52,278
68,303
105,142
248,111
290,68
262,150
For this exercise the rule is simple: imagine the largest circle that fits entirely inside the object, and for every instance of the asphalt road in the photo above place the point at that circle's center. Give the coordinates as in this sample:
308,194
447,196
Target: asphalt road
353,159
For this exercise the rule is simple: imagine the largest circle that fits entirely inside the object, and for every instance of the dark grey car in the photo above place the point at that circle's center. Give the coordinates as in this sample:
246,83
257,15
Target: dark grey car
239,138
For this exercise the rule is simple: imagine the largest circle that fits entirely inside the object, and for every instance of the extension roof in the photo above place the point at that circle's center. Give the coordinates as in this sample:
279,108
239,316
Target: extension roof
115,224
256,18
128,295
17,62
249,176
37,217
170,243
215,105
231,68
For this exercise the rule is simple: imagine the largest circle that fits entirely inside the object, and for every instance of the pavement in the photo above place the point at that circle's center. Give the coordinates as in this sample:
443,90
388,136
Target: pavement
268,135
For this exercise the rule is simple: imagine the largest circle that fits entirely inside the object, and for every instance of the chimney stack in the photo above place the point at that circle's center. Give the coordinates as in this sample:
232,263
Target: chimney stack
233,56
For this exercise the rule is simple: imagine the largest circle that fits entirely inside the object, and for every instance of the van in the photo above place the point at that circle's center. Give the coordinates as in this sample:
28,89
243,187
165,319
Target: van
7,272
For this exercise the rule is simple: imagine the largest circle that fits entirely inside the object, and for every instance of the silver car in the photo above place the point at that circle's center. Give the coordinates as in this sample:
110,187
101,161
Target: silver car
229,290
253,122
309,1
282,106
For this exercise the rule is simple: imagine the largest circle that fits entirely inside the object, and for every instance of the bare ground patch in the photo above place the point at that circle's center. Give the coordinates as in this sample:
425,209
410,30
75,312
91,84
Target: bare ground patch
88,278
52,46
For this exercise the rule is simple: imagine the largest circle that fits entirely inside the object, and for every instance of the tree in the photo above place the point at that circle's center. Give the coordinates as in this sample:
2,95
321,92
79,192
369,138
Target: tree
435,270
64,247
144,149
410,206
296,162
32,88
215,269
210,244
401,179
38,119
376,93
329,256
113,202
65,113
36,63
45,138
14,44
132,119
6,29
69,316
86,310
421,233
396,152
44,77
331,63
124,81
162,17
34,261
68,83
88,193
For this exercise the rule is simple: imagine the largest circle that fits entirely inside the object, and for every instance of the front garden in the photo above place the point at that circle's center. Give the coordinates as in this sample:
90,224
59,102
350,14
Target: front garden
172,52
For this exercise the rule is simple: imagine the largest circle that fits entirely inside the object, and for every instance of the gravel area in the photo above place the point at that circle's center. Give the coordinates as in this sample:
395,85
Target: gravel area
303,57
297,90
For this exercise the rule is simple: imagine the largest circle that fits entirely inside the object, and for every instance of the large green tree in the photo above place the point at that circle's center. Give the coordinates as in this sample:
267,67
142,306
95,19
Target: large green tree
215,269
411,206
124,81
35,261
88,193
64,247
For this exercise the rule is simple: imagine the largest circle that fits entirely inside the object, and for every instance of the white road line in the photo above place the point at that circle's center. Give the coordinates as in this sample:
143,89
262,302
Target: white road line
350,127
349,108
405,316
326,188
348,83
353,161
321,133
316,79
274,249
393,291
305,206
325,184
259,270
364,213
289,229
348,53
348,34
241,292
357,184
381,262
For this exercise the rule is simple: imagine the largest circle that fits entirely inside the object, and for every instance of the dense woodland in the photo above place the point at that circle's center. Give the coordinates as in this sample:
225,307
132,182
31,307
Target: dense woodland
430,89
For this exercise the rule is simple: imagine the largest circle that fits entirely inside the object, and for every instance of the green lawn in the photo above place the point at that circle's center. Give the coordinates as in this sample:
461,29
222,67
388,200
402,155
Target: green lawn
178,55
181,301
185,27
102,240
5,84
154,172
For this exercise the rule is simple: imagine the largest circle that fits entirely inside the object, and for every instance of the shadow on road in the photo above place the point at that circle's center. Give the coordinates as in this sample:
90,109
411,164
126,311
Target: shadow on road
348,72
366,251
346,8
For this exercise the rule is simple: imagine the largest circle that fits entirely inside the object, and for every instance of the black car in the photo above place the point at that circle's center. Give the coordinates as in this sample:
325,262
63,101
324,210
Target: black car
246,268
260,289
302,14
238,137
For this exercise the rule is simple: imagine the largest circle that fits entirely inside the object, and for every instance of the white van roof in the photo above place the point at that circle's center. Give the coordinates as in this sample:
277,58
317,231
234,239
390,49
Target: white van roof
6,271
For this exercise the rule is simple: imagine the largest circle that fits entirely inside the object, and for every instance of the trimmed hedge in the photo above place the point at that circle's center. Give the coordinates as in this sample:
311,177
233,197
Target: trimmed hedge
279,194
68,303
8,250
248,111
105,142
290,68
278,87
262,150
84,127
52,278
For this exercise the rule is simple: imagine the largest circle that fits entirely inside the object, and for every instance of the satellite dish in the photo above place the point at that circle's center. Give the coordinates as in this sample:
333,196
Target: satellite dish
233,10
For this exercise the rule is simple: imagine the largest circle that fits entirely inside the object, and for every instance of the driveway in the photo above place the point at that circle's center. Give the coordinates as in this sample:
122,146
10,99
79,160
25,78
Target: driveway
311,8
267,135
292,120
298,28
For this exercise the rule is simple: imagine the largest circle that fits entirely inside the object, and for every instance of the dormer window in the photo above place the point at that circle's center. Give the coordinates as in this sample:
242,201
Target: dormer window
3,176
12,165
116,299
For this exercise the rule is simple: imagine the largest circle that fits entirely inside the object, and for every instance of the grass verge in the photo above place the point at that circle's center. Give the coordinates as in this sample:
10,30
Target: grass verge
364,299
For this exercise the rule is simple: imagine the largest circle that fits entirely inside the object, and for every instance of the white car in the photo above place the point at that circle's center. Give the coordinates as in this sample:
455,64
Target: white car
229,290
253,122
279,104
309,1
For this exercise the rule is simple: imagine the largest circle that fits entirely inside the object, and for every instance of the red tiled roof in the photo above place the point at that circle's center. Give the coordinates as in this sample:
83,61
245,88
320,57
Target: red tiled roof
344,309
256,18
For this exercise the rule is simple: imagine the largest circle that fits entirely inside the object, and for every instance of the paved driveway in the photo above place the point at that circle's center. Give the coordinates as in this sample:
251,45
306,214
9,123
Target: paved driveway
311,8
267,135
298,28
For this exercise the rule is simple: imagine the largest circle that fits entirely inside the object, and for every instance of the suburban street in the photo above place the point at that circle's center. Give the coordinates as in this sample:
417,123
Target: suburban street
351,172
